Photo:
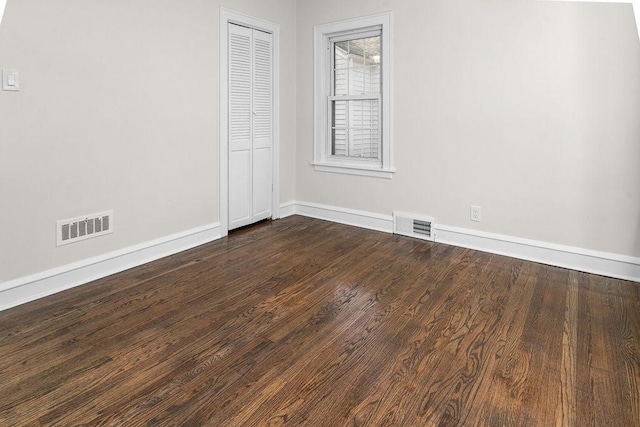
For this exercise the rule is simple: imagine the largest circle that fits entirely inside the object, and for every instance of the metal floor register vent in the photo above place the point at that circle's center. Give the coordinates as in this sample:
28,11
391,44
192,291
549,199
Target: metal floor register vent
420,227
84,227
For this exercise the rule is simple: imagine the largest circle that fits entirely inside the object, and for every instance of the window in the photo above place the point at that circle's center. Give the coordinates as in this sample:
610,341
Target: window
352,97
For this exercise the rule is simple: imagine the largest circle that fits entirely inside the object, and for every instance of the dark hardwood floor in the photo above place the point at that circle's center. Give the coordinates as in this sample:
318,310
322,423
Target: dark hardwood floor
305,322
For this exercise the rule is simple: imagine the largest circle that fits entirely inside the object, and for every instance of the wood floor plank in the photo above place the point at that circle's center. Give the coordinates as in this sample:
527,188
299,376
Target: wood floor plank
310,323
566,410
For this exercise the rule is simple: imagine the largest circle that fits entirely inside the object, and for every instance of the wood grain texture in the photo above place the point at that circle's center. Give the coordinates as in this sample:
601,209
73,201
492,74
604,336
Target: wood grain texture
307,323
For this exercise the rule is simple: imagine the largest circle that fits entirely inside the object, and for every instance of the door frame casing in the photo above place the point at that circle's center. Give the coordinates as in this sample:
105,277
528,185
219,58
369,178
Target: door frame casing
229,16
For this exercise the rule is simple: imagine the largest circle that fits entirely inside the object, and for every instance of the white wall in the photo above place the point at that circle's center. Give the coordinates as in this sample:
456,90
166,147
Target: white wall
118,110
529,109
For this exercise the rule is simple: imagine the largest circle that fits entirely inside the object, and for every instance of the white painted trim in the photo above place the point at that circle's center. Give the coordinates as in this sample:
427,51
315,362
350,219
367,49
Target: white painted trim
30,288
321,64
354,170
226,16
25,289
590,261
224,127
372,221
288,209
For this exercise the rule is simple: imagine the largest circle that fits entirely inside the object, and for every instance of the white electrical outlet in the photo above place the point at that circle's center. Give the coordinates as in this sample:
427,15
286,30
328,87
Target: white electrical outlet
11,80
476,213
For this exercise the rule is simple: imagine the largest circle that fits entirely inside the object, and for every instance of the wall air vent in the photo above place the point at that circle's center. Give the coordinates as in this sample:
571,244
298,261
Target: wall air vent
411,225
84,227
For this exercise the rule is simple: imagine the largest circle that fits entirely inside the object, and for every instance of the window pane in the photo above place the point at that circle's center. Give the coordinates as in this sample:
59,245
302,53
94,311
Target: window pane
355,128
356,66
339,128
372,51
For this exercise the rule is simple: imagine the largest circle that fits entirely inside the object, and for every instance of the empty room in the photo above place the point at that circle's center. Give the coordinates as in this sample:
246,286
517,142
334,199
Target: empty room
320,213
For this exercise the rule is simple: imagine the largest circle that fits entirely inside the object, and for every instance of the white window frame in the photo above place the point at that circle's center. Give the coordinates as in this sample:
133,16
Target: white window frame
323,36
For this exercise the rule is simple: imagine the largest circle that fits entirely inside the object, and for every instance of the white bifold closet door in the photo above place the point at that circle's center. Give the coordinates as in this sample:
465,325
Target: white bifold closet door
250,125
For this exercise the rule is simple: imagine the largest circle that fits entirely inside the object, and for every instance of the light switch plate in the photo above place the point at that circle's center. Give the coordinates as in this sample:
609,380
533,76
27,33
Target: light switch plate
10,80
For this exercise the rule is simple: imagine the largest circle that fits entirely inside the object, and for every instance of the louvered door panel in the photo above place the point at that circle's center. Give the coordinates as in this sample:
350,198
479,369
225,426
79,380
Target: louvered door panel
262,125
240,158
239,87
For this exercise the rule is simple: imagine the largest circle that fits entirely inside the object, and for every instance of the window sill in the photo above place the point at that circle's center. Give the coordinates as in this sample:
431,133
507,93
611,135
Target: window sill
354,170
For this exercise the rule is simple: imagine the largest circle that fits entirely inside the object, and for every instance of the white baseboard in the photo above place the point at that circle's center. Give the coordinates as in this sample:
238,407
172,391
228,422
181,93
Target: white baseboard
287,209
589,261
25,289
30,288
362,219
